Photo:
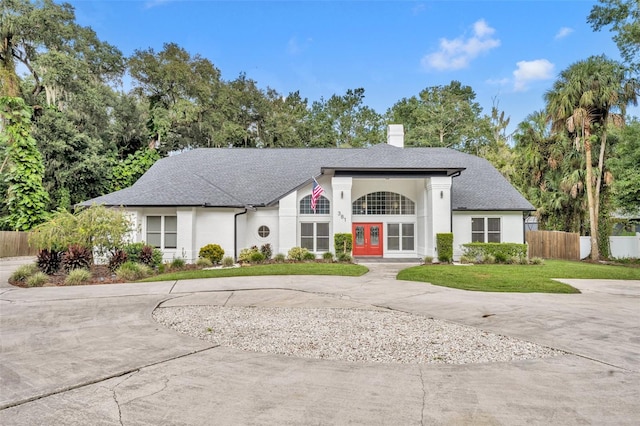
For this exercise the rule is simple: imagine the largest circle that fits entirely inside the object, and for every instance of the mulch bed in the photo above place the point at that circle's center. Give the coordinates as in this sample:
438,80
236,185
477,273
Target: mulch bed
100,274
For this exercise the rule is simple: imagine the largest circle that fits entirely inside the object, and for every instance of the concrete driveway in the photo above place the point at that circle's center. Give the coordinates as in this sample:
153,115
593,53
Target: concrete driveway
94,355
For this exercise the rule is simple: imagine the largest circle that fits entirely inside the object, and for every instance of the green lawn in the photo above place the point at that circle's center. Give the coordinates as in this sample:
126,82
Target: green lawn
516,278
344,269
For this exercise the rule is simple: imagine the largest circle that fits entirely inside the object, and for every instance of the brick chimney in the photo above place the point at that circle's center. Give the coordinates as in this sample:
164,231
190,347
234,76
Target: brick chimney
395,135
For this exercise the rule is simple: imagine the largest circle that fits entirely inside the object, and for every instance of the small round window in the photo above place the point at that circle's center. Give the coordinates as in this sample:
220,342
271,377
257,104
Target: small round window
264,231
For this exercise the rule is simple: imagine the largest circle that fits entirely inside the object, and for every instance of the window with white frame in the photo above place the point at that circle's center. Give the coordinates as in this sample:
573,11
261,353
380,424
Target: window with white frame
314,236
400,236
162,231
383,203
322,206
485,230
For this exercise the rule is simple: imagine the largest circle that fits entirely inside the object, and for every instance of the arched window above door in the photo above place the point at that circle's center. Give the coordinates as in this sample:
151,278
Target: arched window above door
322,206
383,203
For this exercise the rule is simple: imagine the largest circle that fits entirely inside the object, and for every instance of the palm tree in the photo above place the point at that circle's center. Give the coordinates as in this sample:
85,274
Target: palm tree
587,96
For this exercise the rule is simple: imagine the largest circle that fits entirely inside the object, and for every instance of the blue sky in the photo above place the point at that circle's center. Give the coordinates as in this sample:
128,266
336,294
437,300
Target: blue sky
509,52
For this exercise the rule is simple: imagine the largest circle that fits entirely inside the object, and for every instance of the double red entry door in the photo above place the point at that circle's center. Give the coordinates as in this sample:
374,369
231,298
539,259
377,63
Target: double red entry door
367,239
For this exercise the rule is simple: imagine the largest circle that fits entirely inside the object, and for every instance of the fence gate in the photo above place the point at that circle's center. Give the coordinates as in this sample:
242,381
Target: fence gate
554,244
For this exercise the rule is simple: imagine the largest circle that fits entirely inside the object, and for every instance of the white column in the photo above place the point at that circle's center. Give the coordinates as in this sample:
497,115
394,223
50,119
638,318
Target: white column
341,205
438,210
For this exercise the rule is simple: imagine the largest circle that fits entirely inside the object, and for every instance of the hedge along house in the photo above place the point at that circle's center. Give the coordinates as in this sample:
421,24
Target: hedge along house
394,200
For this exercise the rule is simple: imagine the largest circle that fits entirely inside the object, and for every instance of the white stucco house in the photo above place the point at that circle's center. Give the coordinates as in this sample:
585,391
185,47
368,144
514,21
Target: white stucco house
394,200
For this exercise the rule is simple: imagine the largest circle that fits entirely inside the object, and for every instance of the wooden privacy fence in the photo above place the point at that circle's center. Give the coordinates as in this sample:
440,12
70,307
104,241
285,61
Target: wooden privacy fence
554,244
15,243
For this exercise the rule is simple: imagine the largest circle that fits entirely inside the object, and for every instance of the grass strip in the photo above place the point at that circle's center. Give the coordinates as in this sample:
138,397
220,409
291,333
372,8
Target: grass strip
342,269
516,278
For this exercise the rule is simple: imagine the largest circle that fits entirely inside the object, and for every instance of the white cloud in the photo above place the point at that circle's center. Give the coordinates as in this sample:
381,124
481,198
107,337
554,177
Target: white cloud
459,52
528,71
564,31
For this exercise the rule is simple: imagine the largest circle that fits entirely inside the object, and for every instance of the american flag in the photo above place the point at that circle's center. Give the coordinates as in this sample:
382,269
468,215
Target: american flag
315,194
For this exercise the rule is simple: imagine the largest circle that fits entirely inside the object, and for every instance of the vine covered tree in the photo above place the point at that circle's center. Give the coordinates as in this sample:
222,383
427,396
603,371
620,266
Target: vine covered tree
583,101
26,198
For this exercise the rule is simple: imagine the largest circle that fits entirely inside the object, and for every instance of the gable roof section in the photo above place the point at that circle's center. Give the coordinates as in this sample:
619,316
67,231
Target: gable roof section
223,177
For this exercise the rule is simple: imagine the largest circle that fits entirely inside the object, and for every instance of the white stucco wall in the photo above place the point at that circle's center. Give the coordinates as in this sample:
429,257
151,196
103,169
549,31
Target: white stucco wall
287,223
254,220
511,227
214,226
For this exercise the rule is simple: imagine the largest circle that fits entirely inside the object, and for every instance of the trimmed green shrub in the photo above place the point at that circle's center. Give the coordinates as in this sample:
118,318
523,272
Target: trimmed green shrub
500,251
279,258
37,280
227,261
501,257
344,257
49,261
297,253
256,257
308,256
23,272
266,251
343,242
130,271
328,256
444,244
204,262
77,257
213,252
77,277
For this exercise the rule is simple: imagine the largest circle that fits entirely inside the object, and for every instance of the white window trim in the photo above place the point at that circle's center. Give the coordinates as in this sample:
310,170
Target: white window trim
163,231
485,232
312,214
315,232
401,249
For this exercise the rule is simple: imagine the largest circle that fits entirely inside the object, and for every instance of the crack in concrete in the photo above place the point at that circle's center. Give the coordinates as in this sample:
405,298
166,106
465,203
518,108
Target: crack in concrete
102,379
115,395
165,385
228,298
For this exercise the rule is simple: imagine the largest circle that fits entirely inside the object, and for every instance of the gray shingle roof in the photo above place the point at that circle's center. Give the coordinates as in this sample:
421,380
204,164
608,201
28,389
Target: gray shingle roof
226,177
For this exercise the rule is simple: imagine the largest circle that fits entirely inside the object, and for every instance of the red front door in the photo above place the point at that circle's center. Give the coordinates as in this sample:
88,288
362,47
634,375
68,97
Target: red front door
367,239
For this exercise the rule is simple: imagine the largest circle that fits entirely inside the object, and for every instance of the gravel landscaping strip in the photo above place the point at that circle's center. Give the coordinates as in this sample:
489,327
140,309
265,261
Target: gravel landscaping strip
347,334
